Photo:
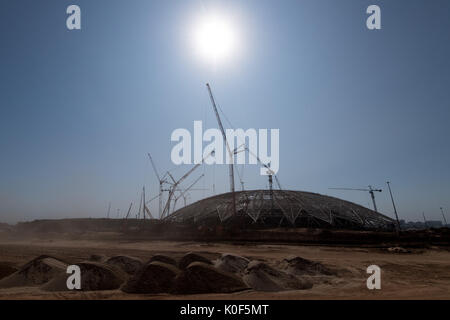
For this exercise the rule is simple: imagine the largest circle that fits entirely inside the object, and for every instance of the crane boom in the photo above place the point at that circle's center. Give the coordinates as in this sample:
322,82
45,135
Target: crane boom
182,193
230,153
188,188
370,190
353,189
270,171
175,185
154,167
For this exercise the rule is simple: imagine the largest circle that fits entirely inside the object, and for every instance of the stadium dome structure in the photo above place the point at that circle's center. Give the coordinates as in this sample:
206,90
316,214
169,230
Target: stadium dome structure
281,208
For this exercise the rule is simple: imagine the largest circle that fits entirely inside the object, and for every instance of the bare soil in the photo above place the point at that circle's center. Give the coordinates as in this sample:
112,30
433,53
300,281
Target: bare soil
412,274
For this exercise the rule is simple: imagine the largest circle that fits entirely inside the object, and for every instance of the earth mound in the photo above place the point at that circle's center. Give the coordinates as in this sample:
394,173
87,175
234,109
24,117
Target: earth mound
300,266
36,272
97,257
191,257
125,263
200,277
6,270
94,276
232,263
262,277
153,277
163,259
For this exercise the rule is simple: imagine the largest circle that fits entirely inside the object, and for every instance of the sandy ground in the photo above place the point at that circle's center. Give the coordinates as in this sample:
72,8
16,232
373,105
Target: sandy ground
422,274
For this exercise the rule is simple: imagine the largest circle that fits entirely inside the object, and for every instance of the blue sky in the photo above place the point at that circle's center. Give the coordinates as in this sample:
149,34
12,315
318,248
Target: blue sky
79,110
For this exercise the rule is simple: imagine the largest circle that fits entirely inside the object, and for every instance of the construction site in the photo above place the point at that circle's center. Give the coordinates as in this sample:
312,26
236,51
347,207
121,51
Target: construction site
253,209
224,150
268,243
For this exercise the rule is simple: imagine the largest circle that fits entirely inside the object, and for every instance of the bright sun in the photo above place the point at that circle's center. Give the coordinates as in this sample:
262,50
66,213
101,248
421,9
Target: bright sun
215,38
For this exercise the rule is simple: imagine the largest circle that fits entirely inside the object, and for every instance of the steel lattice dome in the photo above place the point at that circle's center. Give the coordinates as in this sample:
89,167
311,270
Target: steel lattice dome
281,208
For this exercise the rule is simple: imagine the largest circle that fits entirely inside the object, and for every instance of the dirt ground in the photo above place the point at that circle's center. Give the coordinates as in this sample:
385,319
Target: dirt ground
419,274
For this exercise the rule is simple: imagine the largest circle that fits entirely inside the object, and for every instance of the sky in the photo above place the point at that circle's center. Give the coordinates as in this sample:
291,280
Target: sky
80,109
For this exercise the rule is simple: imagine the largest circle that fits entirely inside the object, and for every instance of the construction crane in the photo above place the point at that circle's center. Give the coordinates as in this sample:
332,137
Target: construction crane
230,153
182,194
161,185
393,204
143,206
270,172
129,210
370,190
174,187
236,151
443,216
424,220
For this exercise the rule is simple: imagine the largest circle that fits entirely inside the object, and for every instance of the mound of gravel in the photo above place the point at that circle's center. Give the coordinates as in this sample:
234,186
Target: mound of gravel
127,264
6,270
153,277
190,257
94,276
262,277
200,277
300,266
232,263
163,259
36,272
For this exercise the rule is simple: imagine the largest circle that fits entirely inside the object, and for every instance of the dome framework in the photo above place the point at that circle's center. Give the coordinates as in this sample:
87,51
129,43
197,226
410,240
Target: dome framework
266,208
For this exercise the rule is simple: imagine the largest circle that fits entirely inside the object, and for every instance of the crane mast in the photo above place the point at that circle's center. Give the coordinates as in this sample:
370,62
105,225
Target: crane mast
161,181
443,216
231,167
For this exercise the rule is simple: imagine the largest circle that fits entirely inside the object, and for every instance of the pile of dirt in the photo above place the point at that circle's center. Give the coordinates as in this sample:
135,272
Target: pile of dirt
190,257
232,263
200,277
153,277
163,259
36,272
127,264
6,270
300,266
94,276
262,277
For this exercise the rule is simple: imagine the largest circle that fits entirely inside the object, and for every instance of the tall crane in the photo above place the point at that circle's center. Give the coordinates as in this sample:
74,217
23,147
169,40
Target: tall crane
230,153
143,206
370,190
129,210
182,194
443,216
161,185
109,209
269,171
424,220
174,187
393,204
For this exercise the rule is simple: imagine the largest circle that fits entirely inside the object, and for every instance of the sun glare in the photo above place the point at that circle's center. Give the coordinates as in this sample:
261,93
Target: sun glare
215,38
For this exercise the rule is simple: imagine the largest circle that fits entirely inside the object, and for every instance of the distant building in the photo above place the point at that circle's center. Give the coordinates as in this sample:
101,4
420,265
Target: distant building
419,225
